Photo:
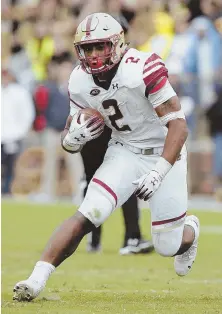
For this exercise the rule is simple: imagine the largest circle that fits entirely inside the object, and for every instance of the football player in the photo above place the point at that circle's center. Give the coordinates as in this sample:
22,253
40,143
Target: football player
146,155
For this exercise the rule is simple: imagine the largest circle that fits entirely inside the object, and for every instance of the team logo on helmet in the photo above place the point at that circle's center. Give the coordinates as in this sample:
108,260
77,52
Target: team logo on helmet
95,92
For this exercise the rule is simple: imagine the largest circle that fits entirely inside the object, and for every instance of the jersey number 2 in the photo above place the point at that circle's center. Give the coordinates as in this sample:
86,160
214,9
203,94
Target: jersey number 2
116,116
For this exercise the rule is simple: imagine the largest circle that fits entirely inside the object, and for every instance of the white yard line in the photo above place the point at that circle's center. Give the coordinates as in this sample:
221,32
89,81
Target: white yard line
202,281
211,229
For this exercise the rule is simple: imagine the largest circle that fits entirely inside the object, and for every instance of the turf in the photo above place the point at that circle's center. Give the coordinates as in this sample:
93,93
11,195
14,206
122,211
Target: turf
107,282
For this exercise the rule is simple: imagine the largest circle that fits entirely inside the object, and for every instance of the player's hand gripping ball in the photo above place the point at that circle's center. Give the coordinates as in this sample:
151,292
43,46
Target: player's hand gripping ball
89,113
86,125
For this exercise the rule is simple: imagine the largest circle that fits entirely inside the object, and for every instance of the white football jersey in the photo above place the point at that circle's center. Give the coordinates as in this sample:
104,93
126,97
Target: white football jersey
128,106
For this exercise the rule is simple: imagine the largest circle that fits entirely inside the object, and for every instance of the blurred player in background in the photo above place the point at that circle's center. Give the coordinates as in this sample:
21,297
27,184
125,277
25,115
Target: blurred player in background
146,154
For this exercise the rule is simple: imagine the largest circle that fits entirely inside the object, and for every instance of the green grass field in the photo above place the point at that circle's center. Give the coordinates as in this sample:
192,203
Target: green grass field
107,282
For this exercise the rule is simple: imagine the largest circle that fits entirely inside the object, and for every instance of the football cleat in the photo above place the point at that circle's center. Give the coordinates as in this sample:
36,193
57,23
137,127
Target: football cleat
27,290
137,246
93,249
183,263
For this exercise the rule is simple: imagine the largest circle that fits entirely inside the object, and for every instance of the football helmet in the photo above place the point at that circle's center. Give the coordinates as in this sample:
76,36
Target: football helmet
95,29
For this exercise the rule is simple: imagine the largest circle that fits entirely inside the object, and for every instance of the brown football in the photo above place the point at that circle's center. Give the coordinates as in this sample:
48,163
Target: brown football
89,112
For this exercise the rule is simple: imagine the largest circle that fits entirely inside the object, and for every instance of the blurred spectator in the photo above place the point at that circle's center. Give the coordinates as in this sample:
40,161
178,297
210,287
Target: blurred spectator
17,116
52,104
214,115
114,8
21,65
203,67
47,10
40,49
211,8
161,41
181,41
183,33
180,45
91,7
218,23
194,8
202,63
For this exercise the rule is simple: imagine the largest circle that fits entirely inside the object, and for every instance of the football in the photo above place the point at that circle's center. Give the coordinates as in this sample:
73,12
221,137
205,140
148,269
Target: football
87,113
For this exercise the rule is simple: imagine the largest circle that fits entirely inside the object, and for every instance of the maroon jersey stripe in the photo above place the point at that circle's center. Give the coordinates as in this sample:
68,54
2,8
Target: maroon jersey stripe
106,187
76,104
159,85
152,79
162,222
152,58
153,66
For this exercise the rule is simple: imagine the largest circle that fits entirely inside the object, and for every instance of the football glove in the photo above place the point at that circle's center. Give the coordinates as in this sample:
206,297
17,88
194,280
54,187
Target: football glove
149,183
81,131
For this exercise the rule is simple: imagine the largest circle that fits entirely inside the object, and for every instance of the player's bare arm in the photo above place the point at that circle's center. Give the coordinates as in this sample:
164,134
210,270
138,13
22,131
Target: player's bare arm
177,129
173,118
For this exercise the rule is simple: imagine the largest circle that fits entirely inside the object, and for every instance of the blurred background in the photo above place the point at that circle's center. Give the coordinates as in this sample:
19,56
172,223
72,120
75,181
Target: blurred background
38,57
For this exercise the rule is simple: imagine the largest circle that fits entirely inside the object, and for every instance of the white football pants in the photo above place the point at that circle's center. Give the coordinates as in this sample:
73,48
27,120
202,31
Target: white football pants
112,185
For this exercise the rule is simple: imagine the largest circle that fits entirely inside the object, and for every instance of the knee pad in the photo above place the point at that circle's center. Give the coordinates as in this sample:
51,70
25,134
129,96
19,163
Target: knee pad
97,205
168,243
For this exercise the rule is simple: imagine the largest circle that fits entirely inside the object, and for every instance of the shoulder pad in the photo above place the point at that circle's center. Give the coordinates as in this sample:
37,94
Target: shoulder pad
154,70
131,67
78,81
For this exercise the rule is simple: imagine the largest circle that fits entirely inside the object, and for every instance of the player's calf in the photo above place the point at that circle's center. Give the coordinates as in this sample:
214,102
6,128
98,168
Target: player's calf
94,210
187,240
180,242
186,255
62,244
66,239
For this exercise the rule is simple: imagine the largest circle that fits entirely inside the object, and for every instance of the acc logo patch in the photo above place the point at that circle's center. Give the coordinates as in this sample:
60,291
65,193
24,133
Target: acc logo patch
95,92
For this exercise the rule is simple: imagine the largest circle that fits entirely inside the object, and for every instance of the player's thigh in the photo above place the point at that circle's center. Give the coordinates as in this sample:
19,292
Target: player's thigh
111,185
169,203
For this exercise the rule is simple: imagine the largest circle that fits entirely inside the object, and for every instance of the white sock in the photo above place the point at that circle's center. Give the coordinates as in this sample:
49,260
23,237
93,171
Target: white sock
191,221
41,272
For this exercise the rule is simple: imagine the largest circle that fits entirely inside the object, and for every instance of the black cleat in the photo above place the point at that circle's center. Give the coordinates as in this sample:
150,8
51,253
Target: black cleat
137,246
